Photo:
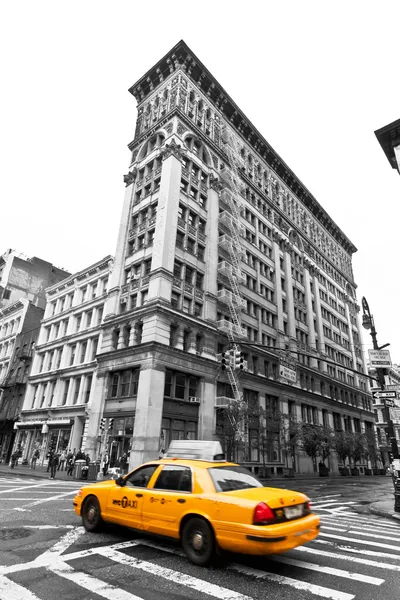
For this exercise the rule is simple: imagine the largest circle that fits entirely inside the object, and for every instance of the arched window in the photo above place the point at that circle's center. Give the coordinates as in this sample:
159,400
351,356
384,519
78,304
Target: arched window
155,142
197,148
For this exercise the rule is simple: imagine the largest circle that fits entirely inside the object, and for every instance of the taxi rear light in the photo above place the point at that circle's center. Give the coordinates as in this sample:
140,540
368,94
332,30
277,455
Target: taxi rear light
308,506
263,514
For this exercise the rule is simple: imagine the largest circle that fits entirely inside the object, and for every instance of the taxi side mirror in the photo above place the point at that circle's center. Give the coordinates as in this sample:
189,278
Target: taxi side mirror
120,481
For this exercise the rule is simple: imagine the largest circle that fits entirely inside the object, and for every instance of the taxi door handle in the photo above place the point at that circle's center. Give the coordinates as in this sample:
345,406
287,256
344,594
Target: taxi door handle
139,495
181,500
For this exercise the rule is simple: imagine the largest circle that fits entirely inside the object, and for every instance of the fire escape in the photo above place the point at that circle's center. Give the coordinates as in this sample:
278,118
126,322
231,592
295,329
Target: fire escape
229,271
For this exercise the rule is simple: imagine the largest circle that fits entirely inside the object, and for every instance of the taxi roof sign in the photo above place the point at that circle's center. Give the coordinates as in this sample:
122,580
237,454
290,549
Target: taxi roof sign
195,450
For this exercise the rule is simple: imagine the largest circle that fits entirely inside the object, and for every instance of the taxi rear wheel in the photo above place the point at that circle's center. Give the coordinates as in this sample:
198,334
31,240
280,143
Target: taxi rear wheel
91,514
198,541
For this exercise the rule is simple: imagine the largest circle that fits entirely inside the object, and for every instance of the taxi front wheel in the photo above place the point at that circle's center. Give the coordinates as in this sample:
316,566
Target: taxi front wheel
198,541
91,515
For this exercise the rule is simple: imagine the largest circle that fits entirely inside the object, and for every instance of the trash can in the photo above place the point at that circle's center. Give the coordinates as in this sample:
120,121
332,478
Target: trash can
93,470
397,495
77,472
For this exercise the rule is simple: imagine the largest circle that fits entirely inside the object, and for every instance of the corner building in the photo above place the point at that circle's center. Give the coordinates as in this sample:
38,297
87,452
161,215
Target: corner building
169,306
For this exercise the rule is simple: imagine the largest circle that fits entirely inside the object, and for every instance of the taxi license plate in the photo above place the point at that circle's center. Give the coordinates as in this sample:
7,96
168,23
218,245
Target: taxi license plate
291,512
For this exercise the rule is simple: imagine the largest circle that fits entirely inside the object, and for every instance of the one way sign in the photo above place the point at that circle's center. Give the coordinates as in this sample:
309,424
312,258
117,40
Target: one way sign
383,394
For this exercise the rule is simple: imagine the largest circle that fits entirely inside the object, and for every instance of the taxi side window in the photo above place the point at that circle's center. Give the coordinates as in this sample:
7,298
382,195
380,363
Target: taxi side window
174,478
140,477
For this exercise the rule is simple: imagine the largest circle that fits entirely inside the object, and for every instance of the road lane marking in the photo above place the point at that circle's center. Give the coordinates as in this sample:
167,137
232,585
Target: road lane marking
328,570
373,535
357,550
48,526
364,542
362,561
213,590
24,488
318,590
57,497
14,591
350,523
91,584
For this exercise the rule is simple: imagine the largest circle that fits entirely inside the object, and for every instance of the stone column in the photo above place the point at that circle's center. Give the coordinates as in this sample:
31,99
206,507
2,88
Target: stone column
76,433
149,407
162,265
351,340
111,306
94,409
289,297
206,425
318,312
210,279
310,314
278,286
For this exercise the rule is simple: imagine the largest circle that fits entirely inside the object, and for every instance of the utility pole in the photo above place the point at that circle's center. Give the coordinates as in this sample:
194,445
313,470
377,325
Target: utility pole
368,323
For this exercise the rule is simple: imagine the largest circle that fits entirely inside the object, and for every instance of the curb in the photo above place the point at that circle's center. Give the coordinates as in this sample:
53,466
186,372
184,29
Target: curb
381,513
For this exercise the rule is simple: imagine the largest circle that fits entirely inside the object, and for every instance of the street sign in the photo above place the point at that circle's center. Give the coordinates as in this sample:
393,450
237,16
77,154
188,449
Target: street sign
384,394
288,373
389,402
380,358
287,367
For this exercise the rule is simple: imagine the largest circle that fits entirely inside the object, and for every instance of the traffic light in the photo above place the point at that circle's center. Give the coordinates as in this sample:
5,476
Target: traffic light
239,360
102,425
225,360
110,424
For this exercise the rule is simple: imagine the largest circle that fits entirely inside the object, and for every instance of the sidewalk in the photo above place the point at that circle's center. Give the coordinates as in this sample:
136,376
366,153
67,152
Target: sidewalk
383,508
38,473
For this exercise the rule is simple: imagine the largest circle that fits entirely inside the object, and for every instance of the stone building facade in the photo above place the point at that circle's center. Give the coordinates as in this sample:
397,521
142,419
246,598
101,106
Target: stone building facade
60,402
166,316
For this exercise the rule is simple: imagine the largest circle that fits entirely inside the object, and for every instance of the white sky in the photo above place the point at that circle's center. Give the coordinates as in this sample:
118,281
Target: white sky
315,78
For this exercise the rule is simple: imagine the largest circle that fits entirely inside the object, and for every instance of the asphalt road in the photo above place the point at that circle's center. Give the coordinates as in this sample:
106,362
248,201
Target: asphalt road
45,553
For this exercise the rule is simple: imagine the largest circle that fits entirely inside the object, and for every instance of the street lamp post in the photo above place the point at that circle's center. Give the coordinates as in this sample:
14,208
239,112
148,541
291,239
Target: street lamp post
368,323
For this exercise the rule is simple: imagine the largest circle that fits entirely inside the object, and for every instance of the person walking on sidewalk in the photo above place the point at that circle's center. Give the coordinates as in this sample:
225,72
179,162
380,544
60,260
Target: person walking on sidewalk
34,458
70,462
63,459
53,465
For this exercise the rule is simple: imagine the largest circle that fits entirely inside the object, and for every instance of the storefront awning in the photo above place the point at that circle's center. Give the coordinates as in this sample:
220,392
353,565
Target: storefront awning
59,422
28,424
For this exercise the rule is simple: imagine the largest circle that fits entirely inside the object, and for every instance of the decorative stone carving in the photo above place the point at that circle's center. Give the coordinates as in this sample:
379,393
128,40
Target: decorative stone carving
181,128
173,149
169,128
130,177
215,183
215,160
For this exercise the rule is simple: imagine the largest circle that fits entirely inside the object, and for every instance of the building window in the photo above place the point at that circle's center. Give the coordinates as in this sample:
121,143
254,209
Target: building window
73,352
180,386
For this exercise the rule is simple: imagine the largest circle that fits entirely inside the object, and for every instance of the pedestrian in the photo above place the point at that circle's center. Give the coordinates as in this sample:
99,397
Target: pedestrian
70,462
14,459
63,460
80,455
53,465
106,462
34,458
49,456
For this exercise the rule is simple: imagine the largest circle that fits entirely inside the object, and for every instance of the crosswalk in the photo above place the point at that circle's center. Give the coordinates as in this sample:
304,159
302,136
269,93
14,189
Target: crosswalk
354,557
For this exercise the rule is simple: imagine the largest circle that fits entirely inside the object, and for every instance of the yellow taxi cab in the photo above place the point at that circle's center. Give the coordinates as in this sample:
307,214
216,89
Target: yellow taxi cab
209,504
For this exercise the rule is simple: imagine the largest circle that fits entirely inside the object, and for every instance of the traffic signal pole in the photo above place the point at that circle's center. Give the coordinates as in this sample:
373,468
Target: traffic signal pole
368,322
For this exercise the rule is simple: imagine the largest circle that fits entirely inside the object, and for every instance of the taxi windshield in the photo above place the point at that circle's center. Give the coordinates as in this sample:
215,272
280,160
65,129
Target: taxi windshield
228,479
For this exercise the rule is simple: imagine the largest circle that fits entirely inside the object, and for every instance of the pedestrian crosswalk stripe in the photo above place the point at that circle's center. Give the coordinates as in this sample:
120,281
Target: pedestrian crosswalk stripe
364,551
353,523
318,590
92,584
328,570
365,542
213,590
355,559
